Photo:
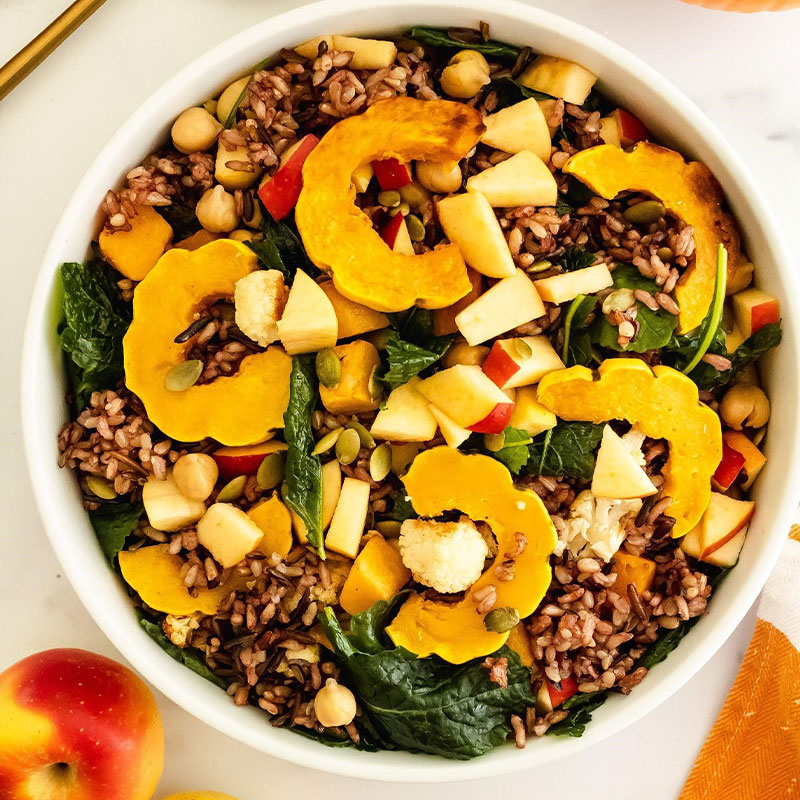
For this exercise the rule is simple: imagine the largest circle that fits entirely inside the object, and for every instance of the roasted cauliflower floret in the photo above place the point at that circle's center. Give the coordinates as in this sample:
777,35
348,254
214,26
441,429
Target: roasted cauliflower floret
179,629
259,299
447,556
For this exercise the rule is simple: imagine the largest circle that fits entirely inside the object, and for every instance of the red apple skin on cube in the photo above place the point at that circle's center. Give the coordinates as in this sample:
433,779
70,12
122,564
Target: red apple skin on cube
390,229
391,174
77,726
496,421
631,128
723,519
729,467
279,195
499,365
754,309
559,692
235,461
509,370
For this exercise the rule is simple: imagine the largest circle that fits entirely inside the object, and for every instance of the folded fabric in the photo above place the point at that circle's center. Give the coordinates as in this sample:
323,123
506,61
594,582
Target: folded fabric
753,751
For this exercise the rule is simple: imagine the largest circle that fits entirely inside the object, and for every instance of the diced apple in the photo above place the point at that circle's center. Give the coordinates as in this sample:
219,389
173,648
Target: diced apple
568,285
453,434
559,78
347,525
518,127
444,319
232,178
166,507
331,487
521,361
352,318
463,353
469,222
235,461
754,309
395,234
310,48
510,302
391,174
617,473
722,521
609,131
631,129
279,194
754,459
367,53
228,533
309,320
361,177
561,691
733,339
547,107
407,416
522,180
529,414
468,397
728,554
728,469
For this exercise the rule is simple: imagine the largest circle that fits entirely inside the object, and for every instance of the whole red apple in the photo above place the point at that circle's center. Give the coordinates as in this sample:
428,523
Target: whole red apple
75,725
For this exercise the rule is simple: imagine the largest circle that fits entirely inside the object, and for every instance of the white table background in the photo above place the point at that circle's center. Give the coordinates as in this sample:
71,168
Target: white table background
741,70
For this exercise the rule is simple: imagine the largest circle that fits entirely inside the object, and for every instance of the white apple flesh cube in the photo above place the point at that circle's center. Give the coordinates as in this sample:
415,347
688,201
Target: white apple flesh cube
402,242
521,361
228,533
617,473
453,434
522,180
468,221
754,309
559,78
166,508
609,131
361,177
331,487
367,53
724,519
547,107
510,302
407,417
347,526
529,414
728,554
309,321
519,127
465,394
567,286
310,48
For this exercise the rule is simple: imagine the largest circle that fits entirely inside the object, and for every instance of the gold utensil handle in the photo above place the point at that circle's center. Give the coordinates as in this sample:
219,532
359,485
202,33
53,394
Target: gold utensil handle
37,50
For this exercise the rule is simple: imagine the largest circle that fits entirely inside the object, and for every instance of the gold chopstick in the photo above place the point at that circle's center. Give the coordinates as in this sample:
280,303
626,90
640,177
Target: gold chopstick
23,63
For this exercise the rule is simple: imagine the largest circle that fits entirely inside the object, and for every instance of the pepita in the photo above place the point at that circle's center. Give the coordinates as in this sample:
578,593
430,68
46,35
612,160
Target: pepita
665,254
494,441
364,436
501,620
644,213
380,462
329,368
540,266
416,230
347,446
327,441
183,376
404,209
618,300
271,471
389,198
522,348
390,528
232,490
101,487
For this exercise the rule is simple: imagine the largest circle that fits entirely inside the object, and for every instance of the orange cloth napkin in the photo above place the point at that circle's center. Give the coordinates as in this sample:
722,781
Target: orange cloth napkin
753,751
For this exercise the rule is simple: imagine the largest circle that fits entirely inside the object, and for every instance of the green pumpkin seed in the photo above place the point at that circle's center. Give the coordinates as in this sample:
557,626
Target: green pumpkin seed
644,213
183,376
390,528
364,436
522,348
347,446
327,441
618,300
501,620
380,462
665,253
232,490
101,487
404,209
540,266
416,230
389,198
270,473
329,368
494,441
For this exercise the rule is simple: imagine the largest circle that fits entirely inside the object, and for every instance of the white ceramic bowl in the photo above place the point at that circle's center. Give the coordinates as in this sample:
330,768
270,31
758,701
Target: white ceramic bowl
674,120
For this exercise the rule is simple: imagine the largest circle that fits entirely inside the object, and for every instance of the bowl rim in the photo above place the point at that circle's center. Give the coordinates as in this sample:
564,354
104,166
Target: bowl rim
192,692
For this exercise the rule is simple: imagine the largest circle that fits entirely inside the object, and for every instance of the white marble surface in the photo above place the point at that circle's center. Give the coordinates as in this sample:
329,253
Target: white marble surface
740,70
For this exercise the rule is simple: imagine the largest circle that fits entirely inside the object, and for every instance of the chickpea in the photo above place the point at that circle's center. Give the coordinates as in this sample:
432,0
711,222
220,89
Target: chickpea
216,211
465,75
462,353
470,55
439,178
744,404
195,130
334,705
195,475
228,98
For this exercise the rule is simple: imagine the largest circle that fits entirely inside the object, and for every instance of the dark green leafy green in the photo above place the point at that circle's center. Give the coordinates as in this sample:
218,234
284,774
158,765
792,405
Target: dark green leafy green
577,194
367,629
281,248
580,707
440,37
407,359
509,92
189,657
181,218
303,477
113,523
575,257
425,704
514,452
563,206
565,451
577,348
95,320
401,506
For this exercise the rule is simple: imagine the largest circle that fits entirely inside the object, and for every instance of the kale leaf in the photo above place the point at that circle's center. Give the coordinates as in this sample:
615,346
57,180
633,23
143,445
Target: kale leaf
303,479
441,37
577,348
182,219
401,506
95,320
580,707
509,92
189,657
575,257
113,523
407,359
566,451
426,704
281,248
514,452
